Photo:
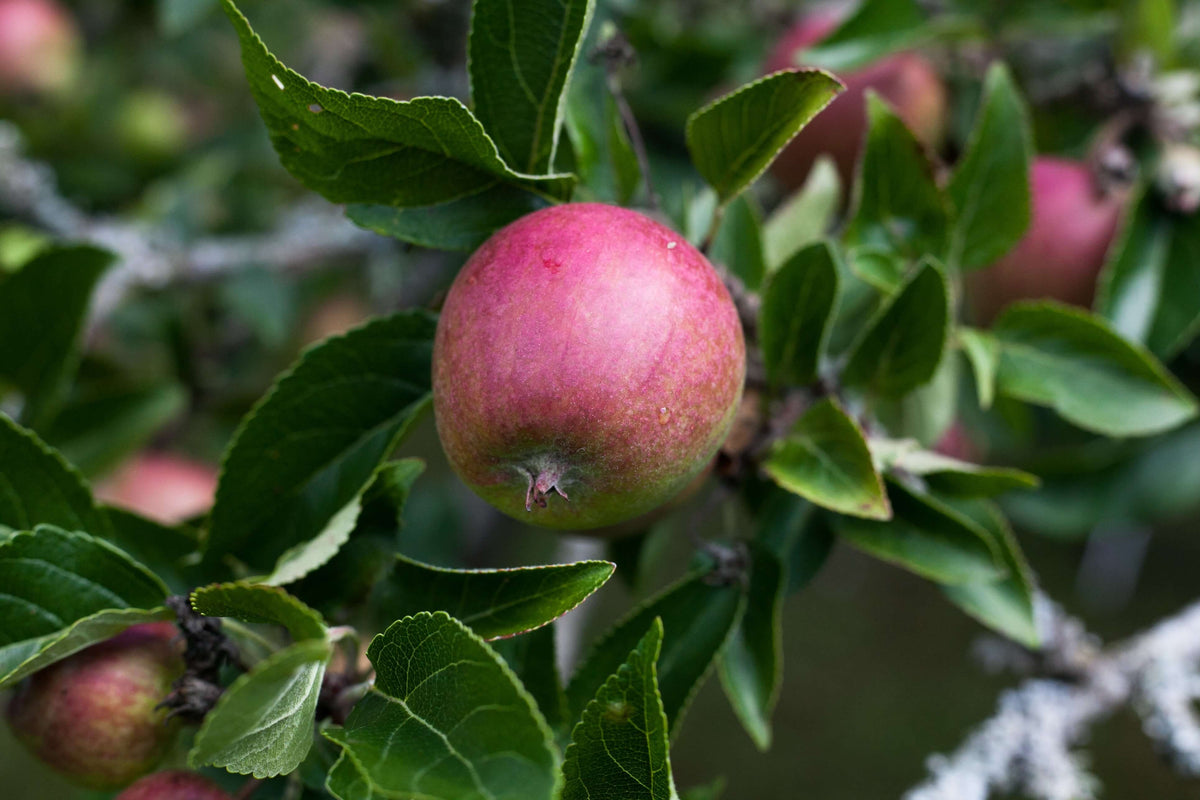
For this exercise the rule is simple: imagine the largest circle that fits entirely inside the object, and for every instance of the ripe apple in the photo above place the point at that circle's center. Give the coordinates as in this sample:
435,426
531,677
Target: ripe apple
1072,223
907,81
174,785
92,716
163,487
589,352
39,47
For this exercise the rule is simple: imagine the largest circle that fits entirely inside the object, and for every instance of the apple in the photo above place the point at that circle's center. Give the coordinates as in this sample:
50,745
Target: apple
163,487
40,48
1072,223
907,81
92,716
174,785
587,365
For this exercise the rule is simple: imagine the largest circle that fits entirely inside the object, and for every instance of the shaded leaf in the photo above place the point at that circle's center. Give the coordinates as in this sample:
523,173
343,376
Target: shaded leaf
620,746
926,537
309,447
493,602
875,29
519,57
1005,605
534,660
697,618
1058,356
352,148
797,310
805,216
63,592
898,205
902,346
445,719
983,351
751,666
460,224
42,310
734,138
990,186
738,244
825,459
961,478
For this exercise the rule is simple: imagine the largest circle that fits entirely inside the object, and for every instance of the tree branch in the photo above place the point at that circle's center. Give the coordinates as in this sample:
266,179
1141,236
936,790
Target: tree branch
307,235
1027,746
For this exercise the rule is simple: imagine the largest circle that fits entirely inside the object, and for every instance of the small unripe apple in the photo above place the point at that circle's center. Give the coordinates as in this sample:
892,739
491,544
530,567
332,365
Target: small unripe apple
1072,223
39,47
92,716
907,81
163,487
588,363
174,785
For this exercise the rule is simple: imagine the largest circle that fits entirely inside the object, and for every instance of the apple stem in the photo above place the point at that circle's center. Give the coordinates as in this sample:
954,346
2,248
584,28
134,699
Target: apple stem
546,480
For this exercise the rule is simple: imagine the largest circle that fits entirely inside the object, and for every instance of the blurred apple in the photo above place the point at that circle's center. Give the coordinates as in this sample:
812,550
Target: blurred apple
40,47
1073,222
163,487
907,81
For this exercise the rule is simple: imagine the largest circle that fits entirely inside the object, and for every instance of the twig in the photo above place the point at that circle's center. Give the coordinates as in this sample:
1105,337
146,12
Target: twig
308,235
616,53
1027,746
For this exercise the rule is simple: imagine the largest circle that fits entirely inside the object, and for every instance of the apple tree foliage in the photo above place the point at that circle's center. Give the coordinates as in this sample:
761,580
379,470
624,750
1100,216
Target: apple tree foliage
859,365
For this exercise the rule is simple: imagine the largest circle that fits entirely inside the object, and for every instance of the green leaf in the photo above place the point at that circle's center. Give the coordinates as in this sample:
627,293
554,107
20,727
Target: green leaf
877,28
825,460
990,185
262,604
1058,356
98,430
493,602
263,723
1005,605
983,351
738,244
898,205
627,170
358,149
751,667
734,138
37,485
620,746
805,216
519,56
797,310
1150,290
445,720
309,447
63,592
927,537
534,661
460,224
901,347
960,478
42,310
879,267
698,618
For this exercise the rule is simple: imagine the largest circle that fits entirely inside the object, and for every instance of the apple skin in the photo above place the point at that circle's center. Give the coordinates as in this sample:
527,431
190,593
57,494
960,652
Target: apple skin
174,785
587,351
39,48
92,715
907,81
162,487
1072,223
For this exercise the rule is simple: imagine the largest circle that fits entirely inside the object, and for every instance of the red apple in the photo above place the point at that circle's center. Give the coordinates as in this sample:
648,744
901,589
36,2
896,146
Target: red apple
587,365
39,47
92,716
1072,224
163,487
907,81
174,785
